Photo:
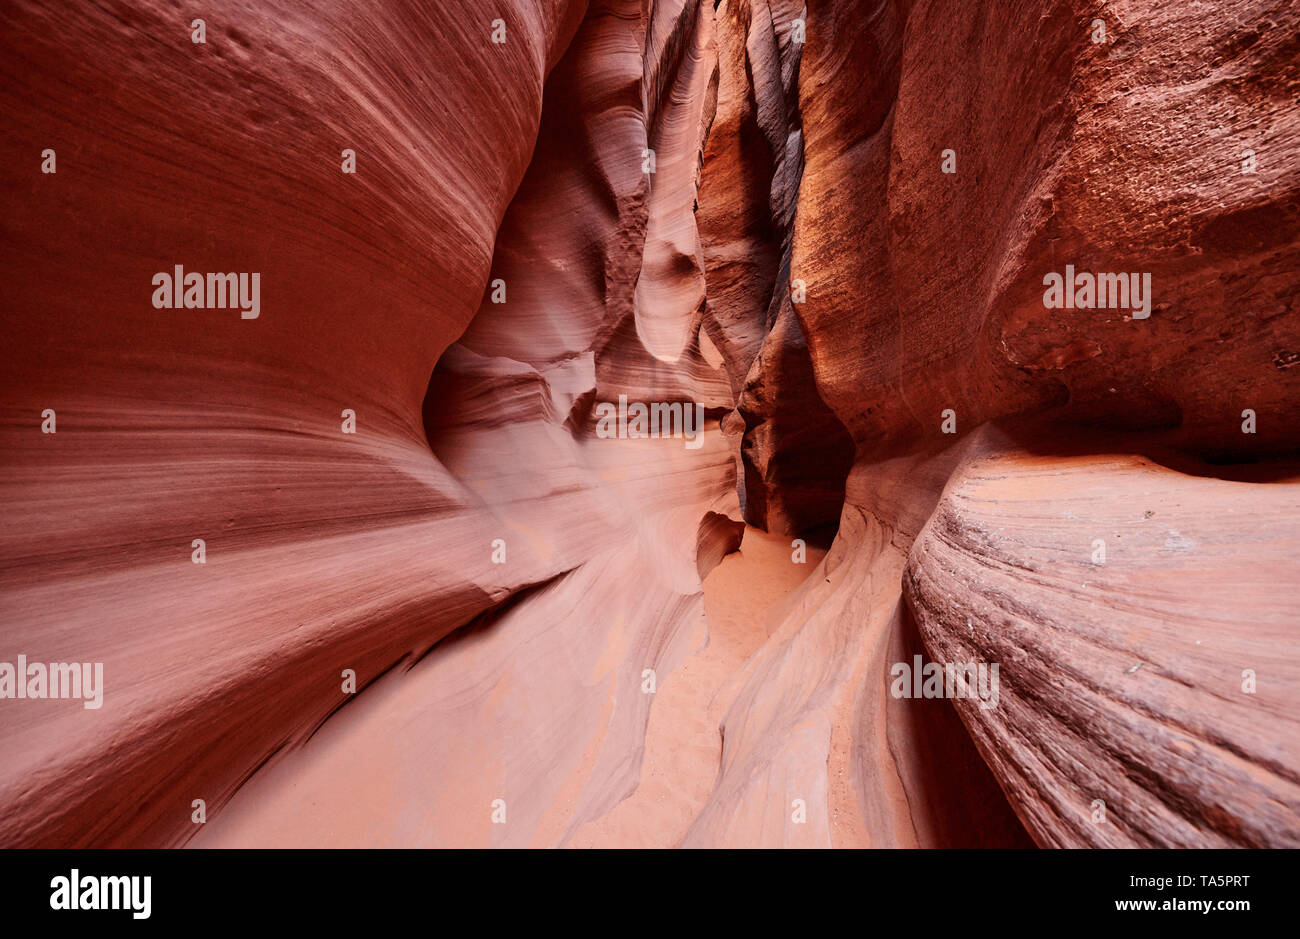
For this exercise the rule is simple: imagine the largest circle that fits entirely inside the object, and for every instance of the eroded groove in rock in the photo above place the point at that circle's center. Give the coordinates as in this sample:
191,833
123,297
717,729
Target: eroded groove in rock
1111,590
942,318
494,519
182,425
541,715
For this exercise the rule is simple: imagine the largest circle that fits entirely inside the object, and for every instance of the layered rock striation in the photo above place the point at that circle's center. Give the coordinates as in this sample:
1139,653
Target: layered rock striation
380,564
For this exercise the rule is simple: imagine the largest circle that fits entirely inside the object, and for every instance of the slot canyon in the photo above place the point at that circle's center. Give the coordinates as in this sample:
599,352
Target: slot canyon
364,566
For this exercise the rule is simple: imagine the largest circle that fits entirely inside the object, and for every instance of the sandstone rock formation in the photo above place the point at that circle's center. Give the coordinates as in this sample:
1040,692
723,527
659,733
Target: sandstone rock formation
368,567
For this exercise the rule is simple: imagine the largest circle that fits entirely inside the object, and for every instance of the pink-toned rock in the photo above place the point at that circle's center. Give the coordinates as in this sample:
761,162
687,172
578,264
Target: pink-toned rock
481,619
1140,703
326,553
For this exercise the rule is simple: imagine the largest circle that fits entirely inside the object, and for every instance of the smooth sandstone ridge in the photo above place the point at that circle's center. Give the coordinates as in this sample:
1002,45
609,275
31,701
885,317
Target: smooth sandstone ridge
741,208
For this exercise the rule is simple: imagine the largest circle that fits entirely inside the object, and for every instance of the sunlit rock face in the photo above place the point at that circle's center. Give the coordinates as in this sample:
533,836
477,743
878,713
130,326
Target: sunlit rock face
645,413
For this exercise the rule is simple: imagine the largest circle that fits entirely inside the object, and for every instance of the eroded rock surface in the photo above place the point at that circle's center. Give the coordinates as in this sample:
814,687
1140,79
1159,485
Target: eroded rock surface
826,230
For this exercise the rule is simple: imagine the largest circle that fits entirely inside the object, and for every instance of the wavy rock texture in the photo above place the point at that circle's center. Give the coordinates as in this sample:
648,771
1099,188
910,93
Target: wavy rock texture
561,639
1123,671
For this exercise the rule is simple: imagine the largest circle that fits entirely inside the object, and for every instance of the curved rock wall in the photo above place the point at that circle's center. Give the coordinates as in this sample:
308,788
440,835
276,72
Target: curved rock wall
829,227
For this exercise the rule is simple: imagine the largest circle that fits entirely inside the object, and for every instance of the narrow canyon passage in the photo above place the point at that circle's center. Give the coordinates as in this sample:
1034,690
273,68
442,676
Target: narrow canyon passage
380,773
573,318
743,600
